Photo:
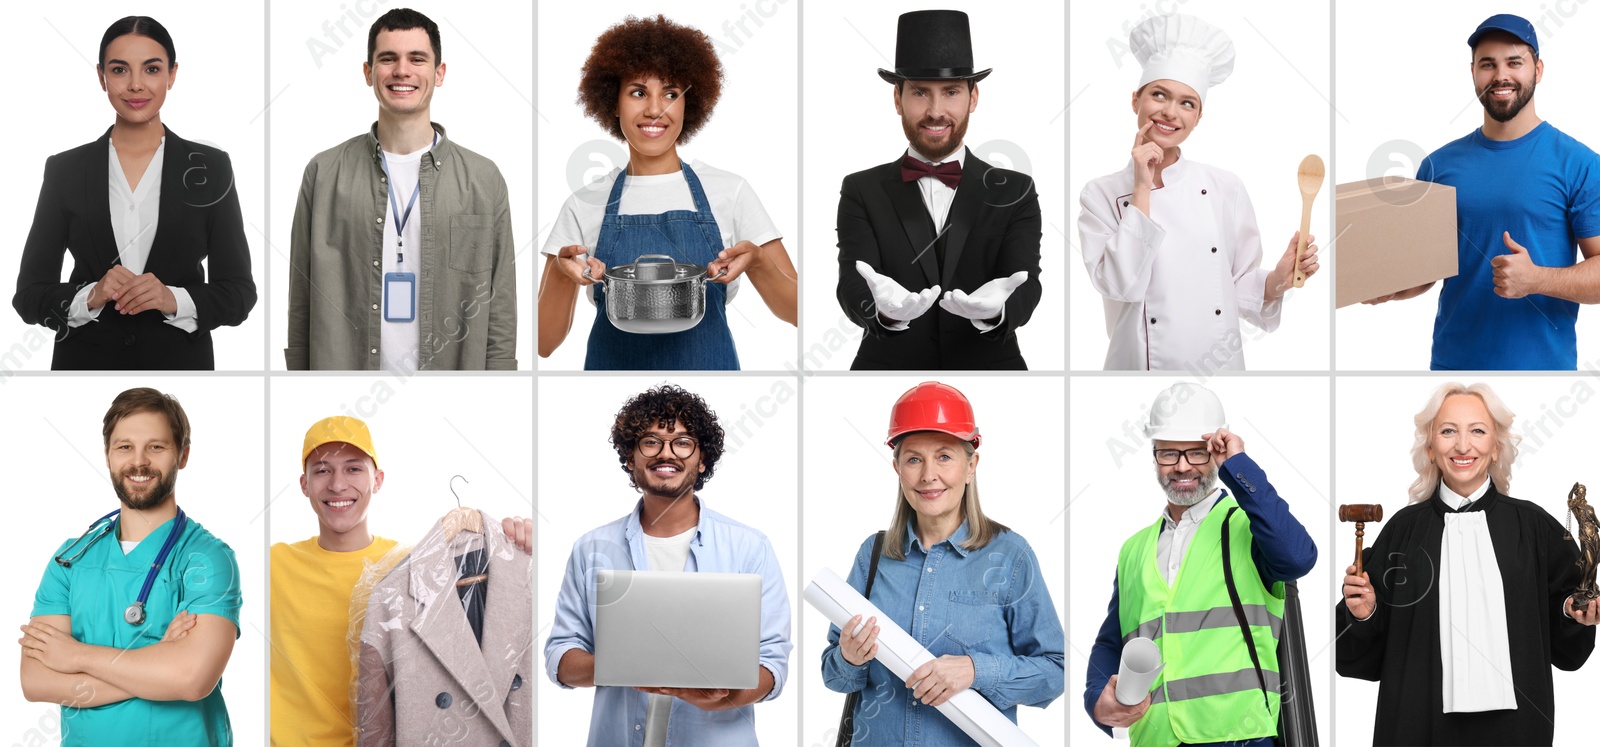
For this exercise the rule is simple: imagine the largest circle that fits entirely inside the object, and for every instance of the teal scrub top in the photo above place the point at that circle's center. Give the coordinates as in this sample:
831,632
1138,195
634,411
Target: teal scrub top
200,575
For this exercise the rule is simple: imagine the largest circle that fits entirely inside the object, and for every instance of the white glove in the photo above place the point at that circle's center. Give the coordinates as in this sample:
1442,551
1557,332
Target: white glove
894,302
985,303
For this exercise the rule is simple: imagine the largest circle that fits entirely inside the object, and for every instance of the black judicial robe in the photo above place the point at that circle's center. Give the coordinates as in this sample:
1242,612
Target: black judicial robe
1399,645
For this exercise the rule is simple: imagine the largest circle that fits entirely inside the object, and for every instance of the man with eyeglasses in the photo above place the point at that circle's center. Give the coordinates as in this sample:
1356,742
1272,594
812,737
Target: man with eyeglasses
668,441
1205,582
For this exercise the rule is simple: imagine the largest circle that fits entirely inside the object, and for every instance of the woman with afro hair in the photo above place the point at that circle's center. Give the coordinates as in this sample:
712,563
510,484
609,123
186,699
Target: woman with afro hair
654,83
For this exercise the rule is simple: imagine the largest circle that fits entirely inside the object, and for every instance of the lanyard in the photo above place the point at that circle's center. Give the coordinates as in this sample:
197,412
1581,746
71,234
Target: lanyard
401,219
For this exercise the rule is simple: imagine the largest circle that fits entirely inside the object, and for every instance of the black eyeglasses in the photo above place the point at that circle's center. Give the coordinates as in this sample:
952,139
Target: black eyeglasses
1169,457
683,446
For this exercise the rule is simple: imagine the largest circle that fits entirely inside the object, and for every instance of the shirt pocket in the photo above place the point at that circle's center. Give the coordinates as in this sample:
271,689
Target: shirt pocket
471,243
975,616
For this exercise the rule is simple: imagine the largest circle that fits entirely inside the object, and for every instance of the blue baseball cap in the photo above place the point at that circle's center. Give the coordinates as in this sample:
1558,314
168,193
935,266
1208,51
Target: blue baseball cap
1512,24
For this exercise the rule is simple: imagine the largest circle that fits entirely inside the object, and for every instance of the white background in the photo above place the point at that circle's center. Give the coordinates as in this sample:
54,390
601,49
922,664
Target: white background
851,125
851,492
751,133
426,430
582,487
210,102
54,436
1556,416
1284,424
1270,113
320,100
1431,82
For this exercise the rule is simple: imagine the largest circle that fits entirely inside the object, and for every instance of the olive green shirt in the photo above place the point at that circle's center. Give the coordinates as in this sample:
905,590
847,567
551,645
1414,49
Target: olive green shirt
466,284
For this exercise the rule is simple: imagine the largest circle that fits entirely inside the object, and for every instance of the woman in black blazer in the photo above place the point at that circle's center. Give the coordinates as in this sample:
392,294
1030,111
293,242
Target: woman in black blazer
138,297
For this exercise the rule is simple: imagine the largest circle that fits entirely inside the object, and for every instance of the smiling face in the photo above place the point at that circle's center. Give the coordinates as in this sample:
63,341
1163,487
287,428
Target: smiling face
934,470
403,72
650,113
1173,107
340,480
1504,73
934,114
1463,443
136,75
1185,484
666,475
144,460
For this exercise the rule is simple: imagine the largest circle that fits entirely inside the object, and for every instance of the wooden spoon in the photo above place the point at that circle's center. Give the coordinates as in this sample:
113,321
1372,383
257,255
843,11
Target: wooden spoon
1311,173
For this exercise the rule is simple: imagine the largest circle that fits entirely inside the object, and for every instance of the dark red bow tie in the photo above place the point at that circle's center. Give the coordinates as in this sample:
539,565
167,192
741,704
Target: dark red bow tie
912,169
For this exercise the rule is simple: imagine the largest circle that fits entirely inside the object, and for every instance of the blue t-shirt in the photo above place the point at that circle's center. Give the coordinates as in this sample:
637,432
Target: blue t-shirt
1544,188
200,576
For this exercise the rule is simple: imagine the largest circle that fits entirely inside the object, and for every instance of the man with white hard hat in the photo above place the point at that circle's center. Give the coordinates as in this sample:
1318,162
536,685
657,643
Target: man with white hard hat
1205,582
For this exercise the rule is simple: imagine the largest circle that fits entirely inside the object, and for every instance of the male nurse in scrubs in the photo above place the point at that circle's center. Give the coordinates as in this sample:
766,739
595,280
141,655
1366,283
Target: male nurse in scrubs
124,672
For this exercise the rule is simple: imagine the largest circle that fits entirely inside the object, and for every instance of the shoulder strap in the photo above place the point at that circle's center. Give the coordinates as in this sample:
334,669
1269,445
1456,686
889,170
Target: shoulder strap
847,720
1238,608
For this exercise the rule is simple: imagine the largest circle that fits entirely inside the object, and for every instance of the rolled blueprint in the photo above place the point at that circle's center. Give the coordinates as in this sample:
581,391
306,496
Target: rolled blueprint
1141,663
901,654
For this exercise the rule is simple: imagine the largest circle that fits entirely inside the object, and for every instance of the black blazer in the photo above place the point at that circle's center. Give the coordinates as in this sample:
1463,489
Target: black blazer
992,231
199,220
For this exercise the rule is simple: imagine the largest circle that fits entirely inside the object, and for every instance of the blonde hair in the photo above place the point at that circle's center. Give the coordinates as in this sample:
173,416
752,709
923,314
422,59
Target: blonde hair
1506,440
980,528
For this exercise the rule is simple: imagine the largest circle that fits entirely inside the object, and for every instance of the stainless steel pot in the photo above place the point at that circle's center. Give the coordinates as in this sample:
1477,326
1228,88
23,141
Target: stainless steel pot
655,295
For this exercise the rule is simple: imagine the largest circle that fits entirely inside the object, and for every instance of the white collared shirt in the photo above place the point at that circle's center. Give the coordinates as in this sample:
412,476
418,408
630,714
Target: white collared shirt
935,195
135,213
1173,542
1454,500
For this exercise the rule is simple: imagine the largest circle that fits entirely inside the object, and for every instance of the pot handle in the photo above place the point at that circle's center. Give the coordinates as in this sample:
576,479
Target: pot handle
588,272
658,257
718,275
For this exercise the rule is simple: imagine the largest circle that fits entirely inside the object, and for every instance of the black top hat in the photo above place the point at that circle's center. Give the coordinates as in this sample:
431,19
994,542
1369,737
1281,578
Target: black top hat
933,45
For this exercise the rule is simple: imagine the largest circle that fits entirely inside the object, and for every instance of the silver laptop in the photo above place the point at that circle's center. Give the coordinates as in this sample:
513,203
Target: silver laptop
676,629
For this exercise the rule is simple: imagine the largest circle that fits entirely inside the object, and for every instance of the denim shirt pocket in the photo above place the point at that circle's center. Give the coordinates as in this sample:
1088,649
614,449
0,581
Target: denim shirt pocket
471,247
974,617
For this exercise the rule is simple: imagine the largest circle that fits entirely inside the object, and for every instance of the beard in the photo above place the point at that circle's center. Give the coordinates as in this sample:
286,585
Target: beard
935,150
1208,480
648,482
1507,111
158,494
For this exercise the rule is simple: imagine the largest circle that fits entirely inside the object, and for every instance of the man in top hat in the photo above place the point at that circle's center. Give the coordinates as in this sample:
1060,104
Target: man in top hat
938,227
1527,204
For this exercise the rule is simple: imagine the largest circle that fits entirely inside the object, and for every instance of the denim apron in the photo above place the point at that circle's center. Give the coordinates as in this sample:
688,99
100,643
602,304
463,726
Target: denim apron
687,236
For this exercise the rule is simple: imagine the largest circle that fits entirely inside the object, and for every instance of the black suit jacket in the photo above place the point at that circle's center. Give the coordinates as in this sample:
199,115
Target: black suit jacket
199,220
993,230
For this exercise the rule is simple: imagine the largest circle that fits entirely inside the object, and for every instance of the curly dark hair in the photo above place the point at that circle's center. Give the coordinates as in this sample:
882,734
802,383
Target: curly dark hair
670,51
667,404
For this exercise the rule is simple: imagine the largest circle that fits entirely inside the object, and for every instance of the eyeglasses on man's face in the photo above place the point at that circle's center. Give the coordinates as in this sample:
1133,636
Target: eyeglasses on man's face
682,446
1169,457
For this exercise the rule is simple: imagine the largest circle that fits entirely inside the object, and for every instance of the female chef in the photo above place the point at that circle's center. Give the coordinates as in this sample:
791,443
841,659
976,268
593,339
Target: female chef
654,83
1172,244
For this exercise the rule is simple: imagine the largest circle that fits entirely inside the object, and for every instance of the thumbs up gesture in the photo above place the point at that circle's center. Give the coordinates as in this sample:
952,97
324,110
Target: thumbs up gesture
1515,274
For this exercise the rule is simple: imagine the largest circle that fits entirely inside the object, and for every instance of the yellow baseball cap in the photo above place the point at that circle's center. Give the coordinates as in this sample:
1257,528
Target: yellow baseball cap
339,429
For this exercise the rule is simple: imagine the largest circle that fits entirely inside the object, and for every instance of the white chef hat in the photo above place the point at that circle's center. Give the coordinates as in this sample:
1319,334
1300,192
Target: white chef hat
1182,48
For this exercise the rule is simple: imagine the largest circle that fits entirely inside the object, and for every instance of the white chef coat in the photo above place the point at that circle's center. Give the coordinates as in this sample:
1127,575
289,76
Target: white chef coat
1176,282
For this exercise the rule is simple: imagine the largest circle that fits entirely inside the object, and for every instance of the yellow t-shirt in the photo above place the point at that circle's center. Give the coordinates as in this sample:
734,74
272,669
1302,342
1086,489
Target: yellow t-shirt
311,590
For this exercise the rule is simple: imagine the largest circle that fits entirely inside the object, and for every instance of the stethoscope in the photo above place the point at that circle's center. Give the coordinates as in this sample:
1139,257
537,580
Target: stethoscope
134,614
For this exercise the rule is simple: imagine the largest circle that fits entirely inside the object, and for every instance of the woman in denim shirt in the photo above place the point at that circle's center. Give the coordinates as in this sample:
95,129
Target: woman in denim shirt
963,585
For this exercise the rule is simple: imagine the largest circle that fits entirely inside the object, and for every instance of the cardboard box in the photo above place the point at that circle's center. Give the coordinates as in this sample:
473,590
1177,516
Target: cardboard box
1392,234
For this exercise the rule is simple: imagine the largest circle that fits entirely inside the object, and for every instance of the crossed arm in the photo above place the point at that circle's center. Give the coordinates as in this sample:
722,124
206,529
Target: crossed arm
58,669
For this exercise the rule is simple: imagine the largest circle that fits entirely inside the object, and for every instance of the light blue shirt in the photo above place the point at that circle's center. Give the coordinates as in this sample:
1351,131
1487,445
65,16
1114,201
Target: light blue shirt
720,545
989,604
200,575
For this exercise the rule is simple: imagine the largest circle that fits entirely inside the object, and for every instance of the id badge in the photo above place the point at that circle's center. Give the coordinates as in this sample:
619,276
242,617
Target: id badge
399,297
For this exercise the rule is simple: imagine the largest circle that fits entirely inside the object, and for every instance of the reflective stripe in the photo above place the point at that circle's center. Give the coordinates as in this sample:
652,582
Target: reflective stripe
1222,617
1150,629
1213,684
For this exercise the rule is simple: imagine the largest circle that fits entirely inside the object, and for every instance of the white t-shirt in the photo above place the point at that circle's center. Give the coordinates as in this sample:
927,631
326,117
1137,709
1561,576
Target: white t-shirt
401,349
668,553
739,213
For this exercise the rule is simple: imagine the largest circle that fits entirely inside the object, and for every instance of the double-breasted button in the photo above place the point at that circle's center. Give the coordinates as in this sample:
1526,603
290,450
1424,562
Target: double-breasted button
1202,191
1124,203
1152,320
516,682
1219,312
1213,250
443,701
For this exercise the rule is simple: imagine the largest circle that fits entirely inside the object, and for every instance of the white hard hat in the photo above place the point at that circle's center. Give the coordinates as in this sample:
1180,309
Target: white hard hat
1184,412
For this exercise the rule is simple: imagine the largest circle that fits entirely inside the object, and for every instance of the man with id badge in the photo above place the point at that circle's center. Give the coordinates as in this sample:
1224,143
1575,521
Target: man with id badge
401,255
135,618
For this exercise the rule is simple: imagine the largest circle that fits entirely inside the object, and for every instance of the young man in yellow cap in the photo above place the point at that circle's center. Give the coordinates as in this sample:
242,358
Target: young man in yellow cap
312,581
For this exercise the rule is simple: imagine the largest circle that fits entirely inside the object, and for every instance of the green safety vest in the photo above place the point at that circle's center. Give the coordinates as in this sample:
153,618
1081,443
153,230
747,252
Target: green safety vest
1209,690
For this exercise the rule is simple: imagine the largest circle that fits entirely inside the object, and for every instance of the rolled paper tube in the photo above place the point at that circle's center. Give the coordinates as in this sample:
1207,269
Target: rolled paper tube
901,654
1141,664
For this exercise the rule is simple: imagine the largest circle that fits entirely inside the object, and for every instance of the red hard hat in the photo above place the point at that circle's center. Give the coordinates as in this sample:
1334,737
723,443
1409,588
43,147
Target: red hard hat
931,406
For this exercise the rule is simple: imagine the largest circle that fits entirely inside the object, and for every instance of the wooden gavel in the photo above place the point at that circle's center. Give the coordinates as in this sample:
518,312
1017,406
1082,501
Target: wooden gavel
1360,513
